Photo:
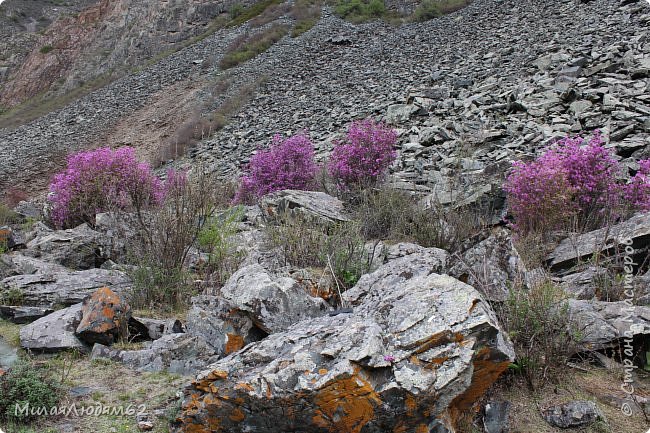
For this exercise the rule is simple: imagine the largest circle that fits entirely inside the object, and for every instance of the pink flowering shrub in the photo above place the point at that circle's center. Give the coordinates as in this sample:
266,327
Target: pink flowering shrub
637,192
364,156
572,181
286,164
100,180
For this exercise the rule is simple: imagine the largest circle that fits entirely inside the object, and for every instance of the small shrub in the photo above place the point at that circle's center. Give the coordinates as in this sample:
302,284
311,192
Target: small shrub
164,236
101,180
364,156
339,248
286,164
542,332
26,384
573,185
46,49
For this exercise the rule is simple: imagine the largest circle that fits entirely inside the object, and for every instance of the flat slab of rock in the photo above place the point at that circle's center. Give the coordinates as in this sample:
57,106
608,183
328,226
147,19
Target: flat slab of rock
602,324
23,314
77,248
54,332
314,205
63,288
603,240
572,414
177,353
417,351
153,329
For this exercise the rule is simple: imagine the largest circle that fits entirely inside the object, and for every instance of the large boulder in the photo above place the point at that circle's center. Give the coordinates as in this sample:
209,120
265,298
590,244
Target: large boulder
54,332
252,304
77,248
273,303
18,264
105,317
177,353
313,205
418,350
63,288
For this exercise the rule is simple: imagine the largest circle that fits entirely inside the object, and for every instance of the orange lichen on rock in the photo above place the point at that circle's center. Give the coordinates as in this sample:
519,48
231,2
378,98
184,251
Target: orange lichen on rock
237,415
422,428
436,340
345,405
234,343
486,372
410,404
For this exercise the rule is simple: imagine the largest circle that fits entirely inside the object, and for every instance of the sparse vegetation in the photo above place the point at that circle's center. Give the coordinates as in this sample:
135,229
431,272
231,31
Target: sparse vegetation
429,9
24,384
245,14
247,46
46,49
541,329
306,13
358,11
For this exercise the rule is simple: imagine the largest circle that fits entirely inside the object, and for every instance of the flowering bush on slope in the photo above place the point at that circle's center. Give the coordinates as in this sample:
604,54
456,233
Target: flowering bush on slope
286,164
365,155
101,180
573,181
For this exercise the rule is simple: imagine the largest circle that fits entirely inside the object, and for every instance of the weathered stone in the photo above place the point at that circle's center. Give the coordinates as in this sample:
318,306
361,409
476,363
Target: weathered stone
491,265
77,248
603,324
177,353
22,314
10,239
400,113
584,284
224,329
272,303
495,418
605,241
313,205
418,350
54,332
63,288
105,317
153,329
572,414
20,265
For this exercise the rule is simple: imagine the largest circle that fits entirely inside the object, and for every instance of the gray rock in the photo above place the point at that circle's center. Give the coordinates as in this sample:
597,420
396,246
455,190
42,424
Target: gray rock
21,265
572,414
313,205
272,303
63,288
77,248
400,113
602,324
176,353
584,284
495,418
491,265
418,349
22,314
54,332
606,241
224,330
153,329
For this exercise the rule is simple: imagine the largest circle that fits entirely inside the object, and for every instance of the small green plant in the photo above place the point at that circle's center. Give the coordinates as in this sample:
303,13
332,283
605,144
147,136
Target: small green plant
26,385
216,239
46,49
12,296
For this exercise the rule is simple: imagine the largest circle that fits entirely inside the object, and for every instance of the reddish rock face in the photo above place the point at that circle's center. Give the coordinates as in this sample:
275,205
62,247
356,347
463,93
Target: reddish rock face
105,317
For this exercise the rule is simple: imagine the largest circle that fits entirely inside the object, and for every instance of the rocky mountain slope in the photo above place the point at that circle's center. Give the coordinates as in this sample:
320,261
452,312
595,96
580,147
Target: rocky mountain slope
496,80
